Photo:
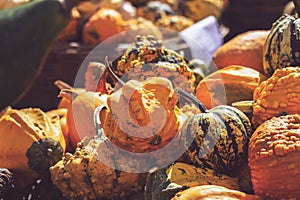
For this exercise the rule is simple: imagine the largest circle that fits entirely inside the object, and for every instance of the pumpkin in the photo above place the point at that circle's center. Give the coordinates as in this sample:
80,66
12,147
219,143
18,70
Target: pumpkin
278,95
5,179
282,44
61,114
83,175
164,183
154,10
174,22
149,50
200,9
142,116
208,192
218,137
103,24
245,49
273,158
230,84
29,130
80,113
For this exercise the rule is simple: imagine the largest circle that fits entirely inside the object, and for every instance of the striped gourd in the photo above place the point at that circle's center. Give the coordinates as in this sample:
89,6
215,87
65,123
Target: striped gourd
282,46
220,137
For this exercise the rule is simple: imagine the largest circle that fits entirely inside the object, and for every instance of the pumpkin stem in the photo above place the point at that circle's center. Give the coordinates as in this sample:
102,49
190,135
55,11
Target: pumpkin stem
62,85
68,93
193,99
297,6
109,67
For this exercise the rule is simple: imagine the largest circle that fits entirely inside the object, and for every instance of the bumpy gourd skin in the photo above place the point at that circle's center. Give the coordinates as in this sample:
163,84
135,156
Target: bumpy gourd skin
21,128
278,95
143,116
82,175
149,50
274,158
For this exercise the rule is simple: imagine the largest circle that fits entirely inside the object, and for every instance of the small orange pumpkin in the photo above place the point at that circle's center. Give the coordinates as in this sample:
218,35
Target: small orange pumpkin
102,25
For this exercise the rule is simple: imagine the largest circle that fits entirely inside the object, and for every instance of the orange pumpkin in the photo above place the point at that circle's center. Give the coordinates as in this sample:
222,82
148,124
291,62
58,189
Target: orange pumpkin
102,25
80,115
245,49
230,84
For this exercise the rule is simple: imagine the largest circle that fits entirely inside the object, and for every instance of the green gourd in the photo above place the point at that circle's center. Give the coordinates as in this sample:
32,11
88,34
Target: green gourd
282,46
220,137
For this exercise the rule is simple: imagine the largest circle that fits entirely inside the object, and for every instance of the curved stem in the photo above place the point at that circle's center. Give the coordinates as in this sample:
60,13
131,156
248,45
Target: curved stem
62,85
69,94
297,6
109,67
193,99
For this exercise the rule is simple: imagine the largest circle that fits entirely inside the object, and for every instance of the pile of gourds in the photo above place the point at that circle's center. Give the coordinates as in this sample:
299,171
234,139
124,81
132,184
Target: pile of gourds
98,142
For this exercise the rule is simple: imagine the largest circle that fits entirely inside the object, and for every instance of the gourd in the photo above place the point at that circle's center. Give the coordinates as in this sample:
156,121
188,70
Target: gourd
103,24
273,158
227,85
154,10
281,48
84,175
142,116
212,192
200,9
164,183
146,51
33,142
174,22
61,114
278,95
245,49
218,137
80,113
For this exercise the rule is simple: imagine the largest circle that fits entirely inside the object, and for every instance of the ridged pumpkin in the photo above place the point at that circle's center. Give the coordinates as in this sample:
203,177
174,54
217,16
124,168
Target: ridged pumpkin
32,142
166,182
278,95
220,137
210,192
282,47
230,84
245,49
274,158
